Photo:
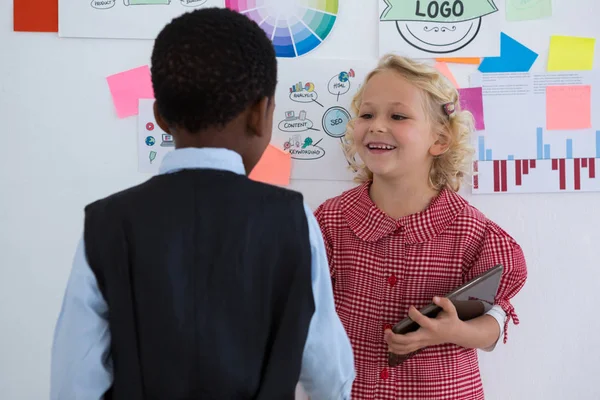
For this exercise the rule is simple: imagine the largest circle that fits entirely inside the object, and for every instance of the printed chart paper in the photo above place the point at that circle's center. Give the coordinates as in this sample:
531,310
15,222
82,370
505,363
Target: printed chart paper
516,153
312,112
125,19
311,115
296,27
436,28
153,142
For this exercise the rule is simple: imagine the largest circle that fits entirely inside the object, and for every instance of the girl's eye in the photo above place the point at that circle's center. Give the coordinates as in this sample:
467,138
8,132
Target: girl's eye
366,116
398,117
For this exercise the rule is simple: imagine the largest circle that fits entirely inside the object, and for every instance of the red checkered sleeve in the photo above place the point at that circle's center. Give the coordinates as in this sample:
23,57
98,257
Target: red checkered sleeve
498,247
327,239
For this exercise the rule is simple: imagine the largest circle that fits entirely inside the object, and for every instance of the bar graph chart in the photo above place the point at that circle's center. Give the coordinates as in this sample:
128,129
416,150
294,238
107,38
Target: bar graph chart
528,144
547,172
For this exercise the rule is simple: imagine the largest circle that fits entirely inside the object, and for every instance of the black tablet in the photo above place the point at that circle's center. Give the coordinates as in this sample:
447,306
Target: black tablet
471,300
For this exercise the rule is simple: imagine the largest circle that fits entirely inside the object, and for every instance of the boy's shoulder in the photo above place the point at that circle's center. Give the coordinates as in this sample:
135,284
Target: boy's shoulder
247,188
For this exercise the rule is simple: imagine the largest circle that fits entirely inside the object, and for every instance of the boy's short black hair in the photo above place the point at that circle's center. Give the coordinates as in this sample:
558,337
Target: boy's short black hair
208,66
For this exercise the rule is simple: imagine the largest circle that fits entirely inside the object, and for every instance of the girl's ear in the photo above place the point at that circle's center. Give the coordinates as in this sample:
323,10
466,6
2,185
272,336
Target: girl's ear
441,144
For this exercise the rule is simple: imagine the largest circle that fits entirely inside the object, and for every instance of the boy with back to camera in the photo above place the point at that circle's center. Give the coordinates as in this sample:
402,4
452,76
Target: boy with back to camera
200,283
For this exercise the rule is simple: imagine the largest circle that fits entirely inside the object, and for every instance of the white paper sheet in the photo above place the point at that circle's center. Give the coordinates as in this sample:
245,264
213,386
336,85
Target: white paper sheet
516,152
122,19
441,28
312,111
153,142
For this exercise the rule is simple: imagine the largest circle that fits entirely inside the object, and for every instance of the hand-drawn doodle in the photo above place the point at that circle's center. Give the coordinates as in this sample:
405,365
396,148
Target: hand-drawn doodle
303,149
150,141
193,3
146,2
103,4
340,83
438,26
296,123
167,140
304,93
335,121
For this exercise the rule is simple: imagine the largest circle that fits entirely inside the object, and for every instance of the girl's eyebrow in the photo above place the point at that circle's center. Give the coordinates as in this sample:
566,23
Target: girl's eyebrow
395,103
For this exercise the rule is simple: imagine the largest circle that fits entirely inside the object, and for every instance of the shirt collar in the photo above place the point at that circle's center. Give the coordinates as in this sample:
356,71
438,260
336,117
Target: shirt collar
370,224
195,158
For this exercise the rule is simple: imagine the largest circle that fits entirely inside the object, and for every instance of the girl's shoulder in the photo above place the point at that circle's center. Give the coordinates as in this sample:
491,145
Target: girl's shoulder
336,206
478,223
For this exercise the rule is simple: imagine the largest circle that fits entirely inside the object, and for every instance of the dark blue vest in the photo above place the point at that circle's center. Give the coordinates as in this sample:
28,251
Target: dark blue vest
208,281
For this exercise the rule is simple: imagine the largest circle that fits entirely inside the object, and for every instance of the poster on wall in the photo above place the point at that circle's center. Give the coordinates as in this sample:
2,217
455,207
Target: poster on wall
296,27
441,28
310,119
540,134
312,113
122,19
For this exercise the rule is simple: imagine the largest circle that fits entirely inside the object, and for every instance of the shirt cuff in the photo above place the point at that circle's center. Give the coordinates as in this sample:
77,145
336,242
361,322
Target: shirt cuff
500,316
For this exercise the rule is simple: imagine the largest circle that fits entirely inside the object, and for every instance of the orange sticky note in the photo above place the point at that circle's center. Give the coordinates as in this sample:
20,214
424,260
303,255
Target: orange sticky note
443,68
274,167
35,15
460,60
568,107
128,87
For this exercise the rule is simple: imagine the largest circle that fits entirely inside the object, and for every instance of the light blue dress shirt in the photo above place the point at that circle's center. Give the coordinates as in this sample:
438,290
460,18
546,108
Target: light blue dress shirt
81,367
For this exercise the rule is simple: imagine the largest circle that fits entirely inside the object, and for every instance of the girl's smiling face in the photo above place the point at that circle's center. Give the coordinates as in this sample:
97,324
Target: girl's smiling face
392,134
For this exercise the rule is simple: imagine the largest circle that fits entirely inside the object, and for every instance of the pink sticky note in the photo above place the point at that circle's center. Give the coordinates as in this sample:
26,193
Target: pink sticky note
471,99
128,87
443,68
568,107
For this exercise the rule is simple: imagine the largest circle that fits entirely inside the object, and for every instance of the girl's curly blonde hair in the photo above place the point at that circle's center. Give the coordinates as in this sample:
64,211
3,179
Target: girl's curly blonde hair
448,169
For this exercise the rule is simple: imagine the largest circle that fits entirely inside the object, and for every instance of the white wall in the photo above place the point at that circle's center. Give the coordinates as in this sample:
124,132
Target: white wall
62,147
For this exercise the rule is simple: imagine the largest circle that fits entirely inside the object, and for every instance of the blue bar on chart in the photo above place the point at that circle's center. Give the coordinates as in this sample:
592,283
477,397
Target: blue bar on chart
481,148
540,144
488,155
569,148
597,144
546,151
511,157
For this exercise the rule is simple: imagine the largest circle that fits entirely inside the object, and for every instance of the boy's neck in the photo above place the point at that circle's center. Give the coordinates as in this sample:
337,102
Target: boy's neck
207,139
399,197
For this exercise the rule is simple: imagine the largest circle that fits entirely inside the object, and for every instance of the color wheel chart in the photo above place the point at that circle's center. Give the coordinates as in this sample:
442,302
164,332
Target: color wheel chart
296,27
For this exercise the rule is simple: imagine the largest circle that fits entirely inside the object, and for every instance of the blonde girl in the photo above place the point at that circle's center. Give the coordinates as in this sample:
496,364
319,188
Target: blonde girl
404,236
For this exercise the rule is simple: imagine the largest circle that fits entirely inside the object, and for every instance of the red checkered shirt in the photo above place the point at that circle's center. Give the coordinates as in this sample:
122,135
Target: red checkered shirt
381,266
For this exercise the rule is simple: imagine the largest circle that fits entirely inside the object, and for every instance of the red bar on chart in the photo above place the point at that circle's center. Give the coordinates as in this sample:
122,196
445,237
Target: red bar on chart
576,165
563,174
525,167
475,177
532,164
518,173
592,167
554,164
584,162
496,175
503,172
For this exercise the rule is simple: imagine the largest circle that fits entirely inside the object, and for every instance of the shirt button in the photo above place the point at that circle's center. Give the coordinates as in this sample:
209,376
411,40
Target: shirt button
384,374
392,280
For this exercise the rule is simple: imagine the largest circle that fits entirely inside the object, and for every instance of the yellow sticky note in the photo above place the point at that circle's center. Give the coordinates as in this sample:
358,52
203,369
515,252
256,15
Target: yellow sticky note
443,68
570,53
461,60
568,107
274,167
